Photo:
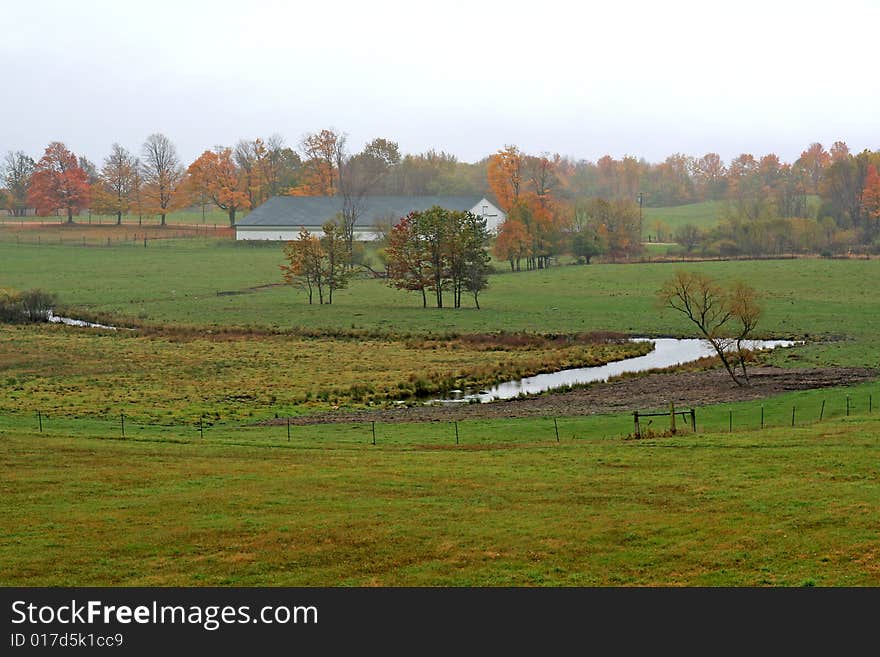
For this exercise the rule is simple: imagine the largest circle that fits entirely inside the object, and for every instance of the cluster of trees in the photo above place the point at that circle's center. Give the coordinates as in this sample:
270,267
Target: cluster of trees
544,220
318,265
154,182
437,250
836,211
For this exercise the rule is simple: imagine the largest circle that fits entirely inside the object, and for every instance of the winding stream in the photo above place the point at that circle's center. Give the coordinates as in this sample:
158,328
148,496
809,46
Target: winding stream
667,352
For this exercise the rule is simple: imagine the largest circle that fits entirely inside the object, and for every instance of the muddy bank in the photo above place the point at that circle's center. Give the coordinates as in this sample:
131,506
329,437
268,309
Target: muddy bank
643,392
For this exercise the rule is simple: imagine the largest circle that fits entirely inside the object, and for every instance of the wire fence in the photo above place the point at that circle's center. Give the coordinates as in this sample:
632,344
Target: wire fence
716,419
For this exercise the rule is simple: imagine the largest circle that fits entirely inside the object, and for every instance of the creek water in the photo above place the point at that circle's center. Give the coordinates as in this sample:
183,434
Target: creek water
55,319
667,352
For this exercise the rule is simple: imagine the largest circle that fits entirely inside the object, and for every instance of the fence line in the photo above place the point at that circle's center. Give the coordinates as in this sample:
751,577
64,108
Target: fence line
537,429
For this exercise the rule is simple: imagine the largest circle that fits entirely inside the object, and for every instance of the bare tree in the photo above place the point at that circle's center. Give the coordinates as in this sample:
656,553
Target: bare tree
117,178
359,175
726,318
17,169
162,172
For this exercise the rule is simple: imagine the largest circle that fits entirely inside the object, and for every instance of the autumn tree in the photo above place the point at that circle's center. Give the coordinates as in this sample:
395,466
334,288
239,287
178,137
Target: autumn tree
512,243
317,264
303,267
408,259
162,173
814,160
505,175
323,151
871,198
116,183
724,317
216,174
17,170
58,182
710,176
440,250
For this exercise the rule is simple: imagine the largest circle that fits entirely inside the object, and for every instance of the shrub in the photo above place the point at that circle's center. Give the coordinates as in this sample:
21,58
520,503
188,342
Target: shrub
28,306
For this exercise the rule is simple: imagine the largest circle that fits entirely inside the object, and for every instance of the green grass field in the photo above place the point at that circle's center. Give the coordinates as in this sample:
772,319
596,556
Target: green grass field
781,507
177,282
509,505
705,215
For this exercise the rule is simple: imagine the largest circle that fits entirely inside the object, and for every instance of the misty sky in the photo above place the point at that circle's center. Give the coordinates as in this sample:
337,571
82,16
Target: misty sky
576,78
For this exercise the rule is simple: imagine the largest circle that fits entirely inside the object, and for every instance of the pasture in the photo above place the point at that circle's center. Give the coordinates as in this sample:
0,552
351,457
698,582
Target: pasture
781,507
219,338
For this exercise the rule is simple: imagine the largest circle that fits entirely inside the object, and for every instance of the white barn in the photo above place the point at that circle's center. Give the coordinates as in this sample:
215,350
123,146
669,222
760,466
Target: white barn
283,217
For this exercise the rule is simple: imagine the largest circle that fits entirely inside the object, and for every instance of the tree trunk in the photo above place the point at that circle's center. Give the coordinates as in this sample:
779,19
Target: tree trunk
119,218
163,219
69,215
424,299
231,217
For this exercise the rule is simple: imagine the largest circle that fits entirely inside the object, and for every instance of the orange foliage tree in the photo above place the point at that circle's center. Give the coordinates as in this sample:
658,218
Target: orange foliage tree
323,150
505,173
58,182
512,243
871,197
215,173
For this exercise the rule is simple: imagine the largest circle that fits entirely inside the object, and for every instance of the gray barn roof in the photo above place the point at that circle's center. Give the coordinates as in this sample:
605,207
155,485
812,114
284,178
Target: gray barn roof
315,210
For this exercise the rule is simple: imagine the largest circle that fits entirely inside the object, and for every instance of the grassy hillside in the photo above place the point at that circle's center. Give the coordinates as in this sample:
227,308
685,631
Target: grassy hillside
706,215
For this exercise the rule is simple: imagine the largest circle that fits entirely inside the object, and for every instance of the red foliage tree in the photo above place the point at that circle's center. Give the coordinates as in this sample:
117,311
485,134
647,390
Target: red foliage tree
871,197
58,182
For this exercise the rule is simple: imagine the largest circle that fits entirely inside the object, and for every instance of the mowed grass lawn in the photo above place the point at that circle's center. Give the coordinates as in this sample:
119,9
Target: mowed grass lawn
772,508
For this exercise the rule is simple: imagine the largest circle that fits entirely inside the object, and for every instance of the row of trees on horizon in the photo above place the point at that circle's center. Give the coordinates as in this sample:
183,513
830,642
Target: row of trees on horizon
554,204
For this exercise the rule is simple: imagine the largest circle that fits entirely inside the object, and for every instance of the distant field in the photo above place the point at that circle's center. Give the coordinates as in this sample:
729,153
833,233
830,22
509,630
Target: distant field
706,215
211,218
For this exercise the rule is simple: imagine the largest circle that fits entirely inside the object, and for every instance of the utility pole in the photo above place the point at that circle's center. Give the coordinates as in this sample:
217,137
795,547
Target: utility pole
641,227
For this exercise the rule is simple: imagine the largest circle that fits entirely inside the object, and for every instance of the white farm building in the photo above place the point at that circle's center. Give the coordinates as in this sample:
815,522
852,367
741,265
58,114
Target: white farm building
283,217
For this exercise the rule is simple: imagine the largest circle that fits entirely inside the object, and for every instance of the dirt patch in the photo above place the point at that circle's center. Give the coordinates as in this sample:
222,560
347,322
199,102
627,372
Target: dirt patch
643,392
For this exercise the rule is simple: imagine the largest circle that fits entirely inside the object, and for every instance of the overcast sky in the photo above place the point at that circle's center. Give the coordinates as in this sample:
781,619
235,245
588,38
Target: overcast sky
576,78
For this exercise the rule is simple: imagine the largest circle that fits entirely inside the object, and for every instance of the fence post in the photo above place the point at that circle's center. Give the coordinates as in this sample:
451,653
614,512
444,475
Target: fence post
636,421
288,428
847,405
792,415
556,426
122,420
762,416
672,417
40,420
373,427
730,422
694,420
870,404
456,432
822,411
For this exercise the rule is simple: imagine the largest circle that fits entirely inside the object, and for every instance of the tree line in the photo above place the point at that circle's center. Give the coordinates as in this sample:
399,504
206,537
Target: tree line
824,200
